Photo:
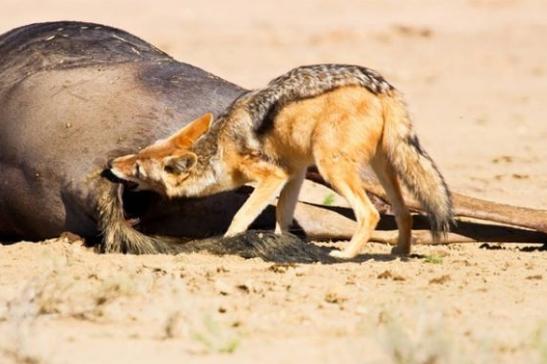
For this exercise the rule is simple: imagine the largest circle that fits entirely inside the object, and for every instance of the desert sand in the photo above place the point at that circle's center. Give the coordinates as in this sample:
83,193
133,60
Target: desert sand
474,74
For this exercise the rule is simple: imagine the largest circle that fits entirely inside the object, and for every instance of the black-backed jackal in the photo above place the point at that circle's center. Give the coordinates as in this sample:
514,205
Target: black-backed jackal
339,117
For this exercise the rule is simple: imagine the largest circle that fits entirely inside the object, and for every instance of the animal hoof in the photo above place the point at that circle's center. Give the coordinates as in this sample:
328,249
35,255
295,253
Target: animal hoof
340,254
397,250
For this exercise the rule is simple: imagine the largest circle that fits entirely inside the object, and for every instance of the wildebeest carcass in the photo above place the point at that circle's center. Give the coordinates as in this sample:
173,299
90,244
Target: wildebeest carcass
72,96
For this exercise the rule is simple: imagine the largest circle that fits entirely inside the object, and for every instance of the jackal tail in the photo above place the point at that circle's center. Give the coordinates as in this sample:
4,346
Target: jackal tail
414,166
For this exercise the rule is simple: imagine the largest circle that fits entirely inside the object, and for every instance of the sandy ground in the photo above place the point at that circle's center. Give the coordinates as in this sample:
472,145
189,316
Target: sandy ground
475,76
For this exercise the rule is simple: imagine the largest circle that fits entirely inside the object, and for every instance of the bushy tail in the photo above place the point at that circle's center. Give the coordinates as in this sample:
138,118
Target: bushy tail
119,236
414,166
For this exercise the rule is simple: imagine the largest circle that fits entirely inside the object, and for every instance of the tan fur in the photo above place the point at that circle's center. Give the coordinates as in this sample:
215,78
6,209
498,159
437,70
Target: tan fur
340,131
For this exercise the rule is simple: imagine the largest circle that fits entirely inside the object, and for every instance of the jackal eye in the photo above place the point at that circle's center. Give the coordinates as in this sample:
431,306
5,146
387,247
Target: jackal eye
137,170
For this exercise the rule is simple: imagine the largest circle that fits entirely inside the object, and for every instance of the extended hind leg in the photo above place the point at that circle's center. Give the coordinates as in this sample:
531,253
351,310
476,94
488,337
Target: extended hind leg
345,179
388,178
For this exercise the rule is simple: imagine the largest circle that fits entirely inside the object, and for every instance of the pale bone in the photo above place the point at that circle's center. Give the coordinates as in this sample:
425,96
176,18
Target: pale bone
337,226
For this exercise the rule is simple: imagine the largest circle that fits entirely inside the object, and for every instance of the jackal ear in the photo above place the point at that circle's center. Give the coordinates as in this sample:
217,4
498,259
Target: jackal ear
186,136
181,164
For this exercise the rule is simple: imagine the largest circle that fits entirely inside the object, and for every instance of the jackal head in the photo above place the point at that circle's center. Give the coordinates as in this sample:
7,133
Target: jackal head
166,165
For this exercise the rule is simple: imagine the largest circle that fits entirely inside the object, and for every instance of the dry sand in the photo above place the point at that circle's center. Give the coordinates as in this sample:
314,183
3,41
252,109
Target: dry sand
475,76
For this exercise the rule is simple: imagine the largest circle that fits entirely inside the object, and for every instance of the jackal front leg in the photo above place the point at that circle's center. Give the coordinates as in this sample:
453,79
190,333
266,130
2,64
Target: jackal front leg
264,192
284,211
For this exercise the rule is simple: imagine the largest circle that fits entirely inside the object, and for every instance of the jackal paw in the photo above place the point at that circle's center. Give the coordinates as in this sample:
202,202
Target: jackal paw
398,250
341,254
230,234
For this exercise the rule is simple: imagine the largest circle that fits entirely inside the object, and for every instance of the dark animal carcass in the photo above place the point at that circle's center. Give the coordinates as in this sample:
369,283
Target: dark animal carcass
73,95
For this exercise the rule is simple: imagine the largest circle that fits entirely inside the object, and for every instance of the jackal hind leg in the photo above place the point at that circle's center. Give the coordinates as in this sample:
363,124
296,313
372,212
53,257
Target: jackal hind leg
388,179
269,181
286,204
345,178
